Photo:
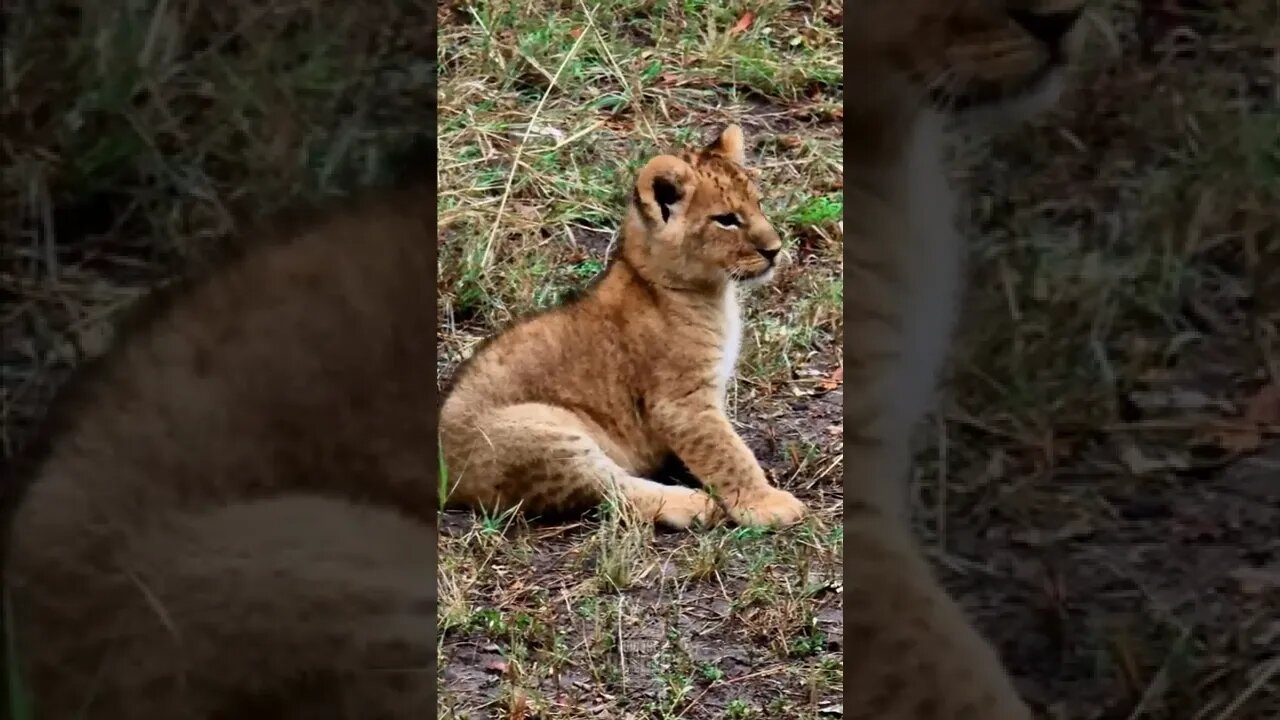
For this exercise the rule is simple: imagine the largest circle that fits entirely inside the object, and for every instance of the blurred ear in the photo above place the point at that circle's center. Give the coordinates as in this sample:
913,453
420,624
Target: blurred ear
730,144
663,188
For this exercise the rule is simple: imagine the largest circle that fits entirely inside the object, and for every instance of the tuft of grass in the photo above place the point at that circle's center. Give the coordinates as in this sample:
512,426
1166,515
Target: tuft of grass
619,545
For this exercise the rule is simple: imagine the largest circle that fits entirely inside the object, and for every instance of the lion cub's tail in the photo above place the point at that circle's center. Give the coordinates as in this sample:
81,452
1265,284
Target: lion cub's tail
297,606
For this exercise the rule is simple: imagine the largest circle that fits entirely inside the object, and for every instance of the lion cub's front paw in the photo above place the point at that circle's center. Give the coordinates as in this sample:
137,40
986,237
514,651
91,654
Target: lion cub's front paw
769,506
683,507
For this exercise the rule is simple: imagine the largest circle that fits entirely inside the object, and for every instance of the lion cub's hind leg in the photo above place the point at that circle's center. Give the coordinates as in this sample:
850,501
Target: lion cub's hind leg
549,461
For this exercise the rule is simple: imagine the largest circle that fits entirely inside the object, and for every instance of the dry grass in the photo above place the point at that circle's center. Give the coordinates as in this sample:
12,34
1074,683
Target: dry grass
1110,447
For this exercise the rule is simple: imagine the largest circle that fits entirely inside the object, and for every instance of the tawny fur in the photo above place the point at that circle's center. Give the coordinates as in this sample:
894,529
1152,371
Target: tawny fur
574,406
235,520
917,66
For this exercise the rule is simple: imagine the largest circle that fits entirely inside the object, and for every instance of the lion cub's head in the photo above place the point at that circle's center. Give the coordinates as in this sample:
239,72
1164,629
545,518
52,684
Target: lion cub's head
962,55
695,220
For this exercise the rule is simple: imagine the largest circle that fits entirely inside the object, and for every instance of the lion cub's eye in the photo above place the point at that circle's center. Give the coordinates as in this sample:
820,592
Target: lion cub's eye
728,220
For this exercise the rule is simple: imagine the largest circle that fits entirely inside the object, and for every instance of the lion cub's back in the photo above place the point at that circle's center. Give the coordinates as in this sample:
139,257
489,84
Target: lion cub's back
562,356
594,355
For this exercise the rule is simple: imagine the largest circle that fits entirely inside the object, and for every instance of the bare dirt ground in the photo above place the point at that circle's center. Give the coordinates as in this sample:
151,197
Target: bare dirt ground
1102,488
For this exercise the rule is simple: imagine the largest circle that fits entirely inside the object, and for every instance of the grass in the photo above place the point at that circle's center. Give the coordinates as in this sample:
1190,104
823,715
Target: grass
1087,491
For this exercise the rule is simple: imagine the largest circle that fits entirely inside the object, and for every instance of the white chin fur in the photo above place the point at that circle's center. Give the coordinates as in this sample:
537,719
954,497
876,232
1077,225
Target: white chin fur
1039,98
761,279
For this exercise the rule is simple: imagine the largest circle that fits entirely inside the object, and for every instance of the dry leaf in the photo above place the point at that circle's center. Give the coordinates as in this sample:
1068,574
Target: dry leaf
1264,407
497,666
1261,415
743,23
1235,440
834,381
575,33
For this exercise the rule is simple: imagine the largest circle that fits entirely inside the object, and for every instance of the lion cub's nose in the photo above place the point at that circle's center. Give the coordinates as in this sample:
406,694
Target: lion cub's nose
769,254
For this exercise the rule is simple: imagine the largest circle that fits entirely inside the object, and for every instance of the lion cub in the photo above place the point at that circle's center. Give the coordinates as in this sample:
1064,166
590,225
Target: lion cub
575,405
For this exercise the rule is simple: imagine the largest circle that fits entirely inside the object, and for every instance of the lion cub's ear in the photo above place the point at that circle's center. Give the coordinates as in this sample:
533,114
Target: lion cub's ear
664,187
730,144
